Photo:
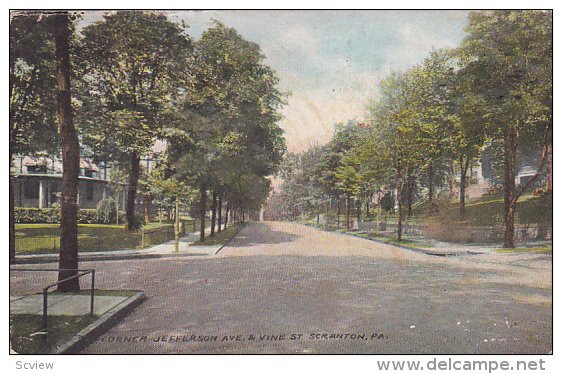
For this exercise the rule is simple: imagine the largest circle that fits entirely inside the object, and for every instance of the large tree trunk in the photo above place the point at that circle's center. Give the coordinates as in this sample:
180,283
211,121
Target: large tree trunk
464,169
226,213
220,213
453,181
338,212
132,192
70,160
146,209
12,220
177,226
411,182
213,214
399,199
548,186
510,153
347,211
202,209
430,175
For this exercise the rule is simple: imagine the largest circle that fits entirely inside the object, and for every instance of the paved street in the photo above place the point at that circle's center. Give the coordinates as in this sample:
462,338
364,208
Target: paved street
344,294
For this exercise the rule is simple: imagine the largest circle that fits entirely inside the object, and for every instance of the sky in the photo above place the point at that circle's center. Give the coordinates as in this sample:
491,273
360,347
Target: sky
332,61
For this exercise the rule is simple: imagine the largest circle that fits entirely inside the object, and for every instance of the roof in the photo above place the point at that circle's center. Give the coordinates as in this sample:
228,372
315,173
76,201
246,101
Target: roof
54,165
59,176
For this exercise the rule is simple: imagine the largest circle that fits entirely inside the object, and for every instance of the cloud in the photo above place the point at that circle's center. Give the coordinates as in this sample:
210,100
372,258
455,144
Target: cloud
332,61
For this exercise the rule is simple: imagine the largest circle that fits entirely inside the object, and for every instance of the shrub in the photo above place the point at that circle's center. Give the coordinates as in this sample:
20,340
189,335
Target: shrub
52,215
37,215
107,208
88,216
539,192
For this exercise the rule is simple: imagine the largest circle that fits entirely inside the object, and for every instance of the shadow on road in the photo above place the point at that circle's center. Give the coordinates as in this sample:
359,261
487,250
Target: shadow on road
260,233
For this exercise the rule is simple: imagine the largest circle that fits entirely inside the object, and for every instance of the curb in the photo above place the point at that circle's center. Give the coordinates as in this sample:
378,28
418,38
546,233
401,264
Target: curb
229,240
137,256
401,246
79,341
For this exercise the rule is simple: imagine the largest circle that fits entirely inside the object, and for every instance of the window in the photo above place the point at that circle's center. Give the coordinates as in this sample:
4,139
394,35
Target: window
37,169
31,188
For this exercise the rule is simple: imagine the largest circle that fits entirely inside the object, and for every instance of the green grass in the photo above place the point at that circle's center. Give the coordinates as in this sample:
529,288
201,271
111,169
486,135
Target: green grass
405,242
488,211
23,326
386,239
527,249
44,238
222,237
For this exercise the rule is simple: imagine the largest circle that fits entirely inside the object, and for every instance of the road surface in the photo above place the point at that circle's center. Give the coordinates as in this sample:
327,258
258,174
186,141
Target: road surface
297,289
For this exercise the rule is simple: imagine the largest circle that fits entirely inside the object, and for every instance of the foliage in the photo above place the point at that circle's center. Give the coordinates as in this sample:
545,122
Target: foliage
107,210
32,69
52,215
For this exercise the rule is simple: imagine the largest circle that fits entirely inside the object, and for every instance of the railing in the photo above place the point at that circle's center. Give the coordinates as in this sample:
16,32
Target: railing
46,289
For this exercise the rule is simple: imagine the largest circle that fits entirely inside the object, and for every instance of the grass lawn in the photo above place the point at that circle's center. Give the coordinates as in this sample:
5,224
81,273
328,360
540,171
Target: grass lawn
546,248
221,237
24,329
488,211
415,244
44,238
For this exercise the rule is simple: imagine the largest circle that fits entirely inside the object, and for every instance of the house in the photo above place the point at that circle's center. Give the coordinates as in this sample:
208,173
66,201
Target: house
38,183
524,175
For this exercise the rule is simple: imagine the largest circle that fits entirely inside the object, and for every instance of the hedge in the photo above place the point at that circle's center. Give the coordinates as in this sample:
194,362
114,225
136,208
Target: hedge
52,215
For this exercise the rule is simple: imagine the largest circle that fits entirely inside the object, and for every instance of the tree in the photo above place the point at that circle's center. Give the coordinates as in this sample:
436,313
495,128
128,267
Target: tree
234,96
70,157
32,87
511,57
395,118
162,183
132,64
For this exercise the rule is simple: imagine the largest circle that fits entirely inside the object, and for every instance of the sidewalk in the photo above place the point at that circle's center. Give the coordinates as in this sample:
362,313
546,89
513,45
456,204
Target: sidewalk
167,249
69,336
437,248
63,305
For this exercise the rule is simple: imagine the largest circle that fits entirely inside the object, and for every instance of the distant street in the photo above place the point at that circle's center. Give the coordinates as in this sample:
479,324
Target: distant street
342,294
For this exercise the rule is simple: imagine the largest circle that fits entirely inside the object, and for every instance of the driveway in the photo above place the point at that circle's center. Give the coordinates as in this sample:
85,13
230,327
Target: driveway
287,288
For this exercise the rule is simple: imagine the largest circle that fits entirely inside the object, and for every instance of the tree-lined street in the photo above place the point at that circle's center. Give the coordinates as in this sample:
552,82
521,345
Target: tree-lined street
283,278
330,183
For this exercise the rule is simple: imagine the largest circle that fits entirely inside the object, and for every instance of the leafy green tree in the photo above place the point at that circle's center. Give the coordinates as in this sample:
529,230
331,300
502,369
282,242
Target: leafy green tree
395,120
32,90
510,59
235,96
132,65
68,259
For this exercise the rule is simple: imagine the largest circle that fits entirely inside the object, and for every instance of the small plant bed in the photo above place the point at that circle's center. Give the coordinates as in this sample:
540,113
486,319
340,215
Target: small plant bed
221,237
27,336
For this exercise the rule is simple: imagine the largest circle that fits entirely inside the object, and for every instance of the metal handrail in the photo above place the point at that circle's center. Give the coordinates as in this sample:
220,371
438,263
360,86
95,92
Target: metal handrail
46,289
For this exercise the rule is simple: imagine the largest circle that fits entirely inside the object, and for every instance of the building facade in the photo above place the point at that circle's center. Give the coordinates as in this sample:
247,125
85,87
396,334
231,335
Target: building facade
37,183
